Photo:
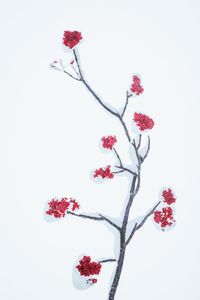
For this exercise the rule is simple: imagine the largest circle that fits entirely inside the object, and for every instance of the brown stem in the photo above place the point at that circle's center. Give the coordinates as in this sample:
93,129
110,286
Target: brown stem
90,89
120,263
107,260
139,142
132,234
116,153
126,103
122,242
86,216
147,216
110,222
148,149
100,218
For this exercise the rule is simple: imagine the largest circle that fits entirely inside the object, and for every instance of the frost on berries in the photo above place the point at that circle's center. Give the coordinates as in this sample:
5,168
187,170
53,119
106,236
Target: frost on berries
59,208
71,38
136,86
143,121
109,141
104,173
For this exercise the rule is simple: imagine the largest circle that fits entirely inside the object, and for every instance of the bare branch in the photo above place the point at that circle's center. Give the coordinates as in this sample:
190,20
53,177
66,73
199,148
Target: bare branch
117,172
107,260
110,222
116,153
138,226
132,234
63,69
147,216
138,181
125,169
115,113
126,103
148,148
128,206
86,216
90,89
136,152
100,218
139,143
121,164
125,128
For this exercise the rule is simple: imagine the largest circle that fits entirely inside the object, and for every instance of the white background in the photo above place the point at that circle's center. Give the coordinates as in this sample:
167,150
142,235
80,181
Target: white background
50,131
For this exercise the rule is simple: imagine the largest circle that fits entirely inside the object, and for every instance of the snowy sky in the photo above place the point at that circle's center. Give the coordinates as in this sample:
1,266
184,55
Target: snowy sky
50,132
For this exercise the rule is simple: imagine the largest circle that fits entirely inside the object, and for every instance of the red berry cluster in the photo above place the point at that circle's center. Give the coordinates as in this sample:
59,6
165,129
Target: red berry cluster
136,87
168,196
87,267
109,141
164,217
104,173
58,208
71,38
143,121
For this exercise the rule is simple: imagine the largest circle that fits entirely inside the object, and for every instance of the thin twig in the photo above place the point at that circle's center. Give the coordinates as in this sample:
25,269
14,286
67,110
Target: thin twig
116,114
132,233
147,216
110,222
125,128
125,169
116,153
148,148
107,260
138,226
136,152
116,172
139,143
86,216
90,89
126,103
63,69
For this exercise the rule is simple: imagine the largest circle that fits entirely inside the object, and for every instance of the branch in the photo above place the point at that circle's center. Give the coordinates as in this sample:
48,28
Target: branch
138,226
90,89
100,218
147,216
132,234
116,153
110,222
126,104
136,152
117,172
147,152
139,143
116,114
63,69
107,260
128,206
86,216
121,164
125,169
125,128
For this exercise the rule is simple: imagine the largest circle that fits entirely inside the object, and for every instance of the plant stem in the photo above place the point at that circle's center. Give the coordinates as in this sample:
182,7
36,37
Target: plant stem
123,241
119,267
135,184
